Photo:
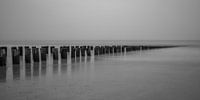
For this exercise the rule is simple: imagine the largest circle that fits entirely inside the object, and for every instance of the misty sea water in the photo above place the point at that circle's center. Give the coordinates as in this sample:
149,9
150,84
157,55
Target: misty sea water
159,74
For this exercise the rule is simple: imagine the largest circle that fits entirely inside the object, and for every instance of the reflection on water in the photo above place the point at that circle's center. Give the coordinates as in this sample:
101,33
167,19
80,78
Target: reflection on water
51,67
43,68
36,69
28,71
63,66
16,72
2,74
142,75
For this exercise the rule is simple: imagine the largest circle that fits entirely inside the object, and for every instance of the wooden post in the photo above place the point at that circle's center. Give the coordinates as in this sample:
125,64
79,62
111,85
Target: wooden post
55,53
73,52
77,51
27,55
3,56
15,55
20,50
35,54
43,52
63,52
51,49
88,51
83,49
46,48
123,48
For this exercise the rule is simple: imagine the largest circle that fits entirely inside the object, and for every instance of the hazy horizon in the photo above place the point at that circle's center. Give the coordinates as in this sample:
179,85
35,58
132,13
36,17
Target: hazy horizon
99,20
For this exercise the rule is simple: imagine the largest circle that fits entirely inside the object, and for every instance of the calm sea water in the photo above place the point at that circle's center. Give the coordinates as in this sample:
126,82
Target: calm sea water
162,74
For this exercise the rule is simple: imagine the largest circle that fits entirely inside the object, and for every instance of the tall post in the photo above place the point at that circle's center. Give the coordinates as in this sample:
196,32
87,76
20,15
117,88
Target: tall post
83,48
88,51
27,55
63,52
55,53
15,55
3,56
73,54
35,54
20,50
77,51
43,52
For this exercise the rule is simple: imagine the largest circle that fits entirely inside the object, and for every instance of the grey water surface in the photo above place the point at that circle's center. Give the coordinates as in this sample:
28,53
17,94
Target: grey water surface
160,74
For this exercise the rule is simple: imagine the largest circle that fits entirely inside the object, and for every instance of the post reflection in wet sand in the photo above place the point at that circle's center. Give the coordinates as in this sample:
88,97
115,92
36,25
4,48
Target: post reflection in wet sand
43,68
63,66
28,71
55,66
16,72
36,69
3,74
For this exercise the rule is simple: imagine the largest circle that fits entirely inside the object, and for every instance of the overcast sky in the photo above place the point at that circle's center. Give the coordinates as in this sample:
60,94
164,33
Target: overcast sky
99,19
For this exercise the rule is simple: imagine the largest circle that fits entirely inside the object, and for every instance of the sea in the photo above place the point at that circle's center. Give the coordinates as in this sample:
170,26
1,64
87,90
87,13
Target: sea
158,74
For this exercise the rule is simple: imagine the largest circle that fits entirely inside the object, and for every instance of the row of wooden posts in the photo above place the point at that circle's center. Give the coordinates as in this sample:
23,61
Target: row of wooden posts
76,51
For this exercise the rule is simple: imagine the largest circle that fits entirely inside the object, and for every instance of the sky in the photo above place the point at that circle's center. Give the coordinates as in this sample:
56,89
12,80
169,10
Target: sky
99,19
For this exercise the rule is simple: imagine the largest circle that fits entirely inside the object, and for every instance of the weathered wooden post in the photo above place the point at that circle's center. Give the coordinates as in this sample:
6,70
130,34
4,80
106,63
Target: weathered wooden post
88,51
110,50
83,48
73,52
123,48
27,55
77,51
20,50
115,48
15,55
63,52
35,52
43,52
118,49
107,49
96,50
102,49
3,56
46,48
127,48
55,53
51,49
91,47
